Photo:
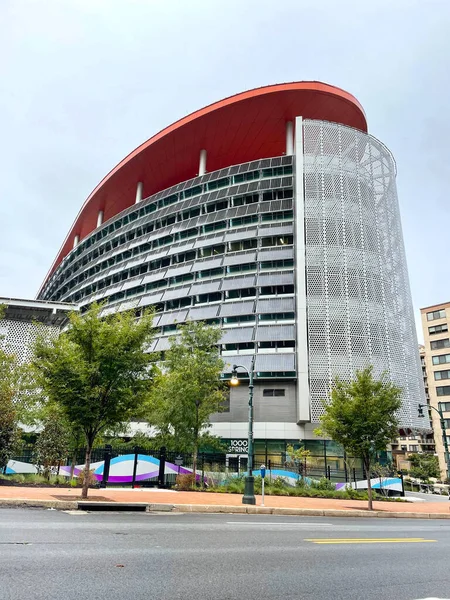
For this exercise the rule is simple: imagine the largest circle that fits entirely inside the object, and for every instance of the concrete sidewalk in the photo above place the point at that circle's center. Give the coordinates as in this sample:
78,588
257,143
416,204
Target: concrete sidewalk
68,498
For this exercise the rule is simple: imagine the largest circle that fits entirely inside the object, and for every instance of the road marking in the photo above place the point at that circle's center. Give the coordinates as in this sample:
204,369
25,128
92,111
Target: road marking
368,540
293,524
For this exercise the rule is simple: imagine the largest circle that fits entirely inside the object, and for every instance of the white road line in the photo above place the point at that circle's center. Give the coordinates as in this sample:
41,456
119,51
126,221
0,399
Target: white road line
293,524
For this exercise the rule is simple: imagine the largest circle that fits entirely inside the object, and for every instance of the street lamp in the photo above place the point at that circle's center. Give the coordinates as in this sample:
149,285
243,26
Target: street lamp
249,490
442,420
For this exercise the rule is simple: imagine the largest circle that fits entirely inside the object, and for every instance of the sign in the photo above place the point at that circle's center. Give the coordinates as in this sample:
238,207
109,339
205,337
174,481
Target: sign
179,460
238,447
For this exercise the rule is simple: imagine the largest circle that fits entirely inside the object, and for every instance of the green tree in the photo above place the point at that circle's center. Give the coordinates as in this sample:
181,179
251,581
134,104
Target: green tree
424,466
53,443
17,397
362,416
298,458
189,390
97,372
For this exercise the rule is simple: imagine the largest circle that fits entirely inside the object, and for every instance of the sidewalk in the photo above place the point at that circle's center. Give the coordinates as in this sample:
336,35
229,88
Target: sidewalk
198,501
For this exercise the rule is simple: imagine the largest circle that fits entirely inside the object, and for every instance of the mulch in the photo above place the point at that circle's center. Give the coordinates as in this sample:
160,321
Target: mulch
90,498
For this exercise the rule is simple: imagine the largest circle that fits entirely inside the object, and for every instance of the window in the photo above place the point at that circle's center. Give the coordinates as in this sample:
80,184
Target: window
244,293
445,406
243,245
210,273
438,329
187,233
213,250
214,226
278,194
242,268
239,346
247,199
438,375
219,183
277,216
414,448
436,314
277,264
439,344
274,393
247,220
447,423
441,359
404,447
278,344
443,390
246,176
216,206
212,297
277,316
277,171
192,191
274,290
277,241
239,319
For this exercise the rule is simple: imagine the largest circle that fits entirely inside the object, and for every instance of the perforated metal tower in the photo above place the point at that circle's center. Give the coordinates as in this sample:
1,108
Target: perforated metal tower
274,214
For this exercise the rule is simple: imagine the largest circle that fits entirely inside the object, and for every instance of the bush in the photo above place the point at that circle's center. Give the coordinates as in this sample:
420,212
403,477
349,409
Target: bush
323,484
185,481
93,481
278,483
301,483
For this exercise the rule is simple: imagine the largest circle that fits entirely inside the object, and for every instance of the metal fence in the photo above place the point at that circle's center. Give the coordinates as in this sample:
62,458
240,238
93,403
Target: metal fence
210,465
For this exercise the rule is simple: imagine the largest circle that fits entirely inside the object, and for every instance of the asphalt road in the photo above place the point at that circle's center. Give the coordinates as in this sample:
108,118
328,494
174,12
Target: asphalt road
55,555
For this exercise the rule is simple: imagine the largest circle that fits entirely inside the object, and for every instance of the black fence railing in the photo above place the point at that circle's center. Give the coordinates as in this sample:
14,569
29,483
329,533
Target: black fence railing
211,467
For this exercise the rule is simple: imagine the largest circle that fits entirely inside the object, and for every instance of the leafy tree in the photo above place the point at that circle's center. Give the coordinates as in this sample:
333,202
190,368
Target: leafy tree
9,430
53,443
17,395
97,372
361,416
298,458
189,390
424,466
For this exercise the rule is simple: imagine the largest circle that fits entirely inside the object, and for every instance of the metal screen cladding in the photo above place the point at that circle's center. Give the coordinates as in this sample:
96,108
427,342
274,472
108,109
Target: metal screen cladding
358,297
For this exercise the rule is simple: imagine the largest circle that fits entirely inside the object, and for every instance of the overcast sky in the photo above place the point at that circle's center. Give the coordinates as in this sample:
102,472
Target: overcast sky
83,82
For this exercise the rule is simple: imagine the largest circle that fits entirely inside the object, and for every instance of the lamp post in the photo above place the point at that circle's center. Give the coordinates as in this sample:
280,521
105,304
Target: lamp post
249,490
444,434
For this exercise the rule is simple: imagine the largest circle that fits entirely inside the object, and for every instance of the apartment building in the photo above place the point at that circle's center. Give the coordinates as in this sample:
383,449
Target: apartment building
412,441
436,360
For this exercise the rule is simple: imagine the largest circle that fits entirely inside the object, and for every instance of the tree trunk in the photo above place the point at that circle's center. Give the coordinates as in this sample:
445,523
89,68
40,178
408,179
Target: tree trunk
87,472
369,484
194,465
72,466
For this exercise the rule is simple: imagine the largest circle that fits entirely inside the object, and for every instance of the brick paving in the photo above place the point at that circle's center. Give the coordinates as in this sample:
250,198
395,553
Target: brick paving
215,499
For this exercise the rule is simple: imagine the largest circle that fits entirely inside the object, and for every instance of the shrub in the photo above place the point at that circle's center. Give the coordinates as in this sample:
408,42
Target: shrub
18,478
93,481
278,483
301,483
323,484
185,481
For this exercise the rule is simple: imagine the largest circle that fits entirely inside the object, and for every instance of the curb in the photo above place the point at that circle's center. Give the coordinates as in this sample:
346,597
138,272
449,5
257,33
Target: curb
29,503
305,512
211,508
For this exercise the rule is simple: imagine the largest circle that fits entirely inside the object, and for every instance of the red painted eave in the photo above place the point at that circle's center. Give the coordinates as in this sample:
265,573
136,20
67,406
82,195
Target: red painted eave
238,129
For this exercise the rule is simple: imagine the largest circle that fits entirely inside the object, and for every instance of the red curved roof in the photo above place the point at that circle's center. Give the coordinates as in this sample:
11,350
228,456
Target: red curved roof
235,130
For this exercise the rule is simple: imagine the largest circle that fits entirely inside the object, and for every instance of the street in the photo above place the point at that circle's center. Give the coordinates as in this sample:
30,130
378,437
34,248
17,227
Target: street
47,554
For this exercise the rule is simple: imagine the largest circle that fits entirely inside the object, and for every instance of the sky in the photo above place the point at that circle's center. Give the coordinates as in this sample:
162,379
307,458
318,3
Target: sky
83,82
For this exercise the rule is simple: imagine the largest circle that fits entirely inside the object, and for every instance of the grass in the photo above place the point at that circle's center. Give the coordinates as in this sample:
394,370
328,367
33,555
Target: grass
32,479
280,488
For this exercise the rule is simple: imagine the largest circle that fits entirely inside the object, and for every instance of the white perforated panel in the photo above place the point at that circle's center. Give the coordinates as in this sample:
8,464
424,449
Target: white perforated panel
19,337
358,297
